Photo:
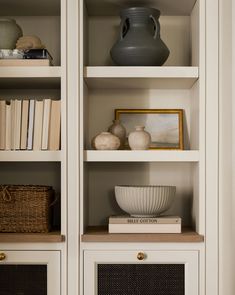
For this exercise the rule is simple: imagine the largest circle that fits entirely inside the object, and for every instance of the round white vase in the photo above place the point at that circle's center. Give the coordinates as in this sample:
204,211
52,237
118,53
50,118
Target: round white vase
10,32
118,130
139,139
106,141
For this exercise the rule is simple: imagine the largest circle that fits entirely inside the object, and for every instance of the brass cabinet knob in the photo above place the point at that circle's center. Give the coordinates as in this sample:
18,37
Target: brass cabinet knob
2,256
140,256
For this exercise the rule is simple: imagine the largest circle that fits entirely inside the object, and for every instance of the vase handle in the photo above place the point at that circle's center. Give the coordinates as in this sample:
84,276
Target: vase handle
123,27
157,27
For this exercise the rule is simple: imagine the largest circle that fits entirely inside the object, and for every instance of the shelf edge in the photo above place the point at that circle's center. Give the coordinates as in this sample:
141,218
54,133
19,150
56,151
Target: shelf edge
30,156
141,156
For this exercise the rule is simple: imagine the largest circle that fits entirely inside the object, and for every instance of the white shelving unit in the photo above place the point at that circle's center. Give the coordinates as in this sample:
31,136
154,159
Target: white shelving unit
181,83
105,87
48,21
36,82
79,35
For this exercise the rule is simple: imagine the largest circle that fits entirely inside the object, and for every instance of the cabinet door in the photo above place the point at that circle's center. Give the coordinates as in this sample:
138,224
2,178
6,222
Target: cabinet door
29,272
141,272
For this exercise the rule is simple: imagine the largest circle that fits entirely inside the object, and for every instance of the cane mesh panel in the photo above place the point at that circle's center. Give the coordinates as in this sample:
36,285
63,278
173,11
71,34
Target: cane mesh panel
23,279
141,279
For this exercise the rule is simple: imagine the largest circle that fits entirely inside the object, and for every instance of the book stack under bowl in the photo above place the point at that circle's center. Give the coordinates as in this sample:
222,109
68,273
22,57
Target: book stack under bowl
129,224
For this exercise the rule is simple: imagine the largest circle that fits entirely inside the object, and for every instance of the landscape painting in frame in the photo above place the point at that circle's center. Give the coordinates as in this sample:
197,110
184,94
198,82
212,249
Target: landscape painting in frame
164,126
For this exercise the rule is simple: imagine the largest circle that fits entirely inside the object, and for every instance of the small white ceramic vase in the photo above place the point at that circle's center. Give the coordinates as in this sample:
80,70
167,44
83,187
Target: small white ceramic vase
139,139
106,141
9,33
118,130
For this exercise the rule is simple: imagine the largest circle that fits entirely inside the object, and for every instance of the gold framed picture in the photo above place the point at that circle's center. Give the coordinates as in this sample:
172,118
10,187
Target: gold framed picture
164,125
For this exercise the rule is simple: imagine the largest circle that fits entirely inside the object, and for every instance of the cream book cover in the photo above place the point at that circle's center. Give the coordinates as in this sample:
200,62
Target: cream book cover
46,123
24,124
13,117
17,121
127,219
145,228
31,124
8,125
54,129
2,124
38,118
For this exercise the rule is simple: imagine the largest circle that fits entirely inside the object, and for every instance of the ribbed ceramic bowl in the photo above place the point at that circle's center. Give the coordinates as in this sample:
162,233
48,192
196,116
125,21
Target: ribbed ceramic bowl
144,201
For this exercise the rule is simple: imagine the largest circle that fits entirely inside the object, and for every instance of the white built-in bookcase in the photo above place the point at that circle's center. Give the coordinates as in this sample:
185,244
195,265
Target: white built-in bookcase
79,35
184,82
179,84
48,23
47,20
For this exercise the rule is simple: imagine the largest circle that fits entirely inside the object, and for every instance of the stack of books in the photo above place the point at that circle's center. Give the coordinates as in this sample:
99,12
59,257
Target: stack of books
30,124
128,224
31,57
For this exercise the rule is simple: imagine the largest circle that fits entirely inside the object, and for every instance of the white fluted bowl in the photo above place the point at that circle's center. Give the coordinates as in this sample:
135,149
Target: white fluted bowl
144,201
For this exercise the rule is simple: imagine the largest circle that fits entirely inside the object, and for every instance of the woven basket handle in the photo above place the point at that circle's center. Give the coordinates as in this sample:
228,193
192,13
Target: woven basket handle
6,195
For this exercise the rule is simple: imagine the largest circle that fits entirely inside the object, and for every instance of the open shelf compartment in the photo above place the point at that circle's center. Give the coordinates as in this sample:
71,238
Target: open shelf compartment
30,77
100,180
179,31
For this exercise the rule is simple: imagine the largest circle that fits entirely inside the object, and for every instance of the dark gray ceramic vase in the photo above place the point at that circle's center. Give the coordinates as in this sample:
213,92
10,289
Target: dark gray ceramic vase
139,43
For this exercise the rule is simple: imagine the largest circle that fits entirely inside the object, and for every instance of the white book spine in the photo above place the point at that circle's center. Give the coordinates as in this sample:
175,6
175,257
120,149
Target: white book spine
144,220
145,228
38,118
24,124
46,123
8,125
13,117
31,125
2,124
18,123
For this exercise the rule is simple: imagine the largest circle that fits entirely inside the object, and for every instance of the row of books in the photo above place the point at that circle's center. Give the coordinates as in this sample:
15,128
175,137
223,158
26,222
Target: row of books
29,124
158,225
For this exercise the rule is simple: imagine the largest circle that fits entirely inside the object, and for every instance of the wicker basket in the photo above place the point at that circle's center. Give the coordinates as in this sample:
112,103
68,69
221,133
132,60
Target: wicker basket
25,208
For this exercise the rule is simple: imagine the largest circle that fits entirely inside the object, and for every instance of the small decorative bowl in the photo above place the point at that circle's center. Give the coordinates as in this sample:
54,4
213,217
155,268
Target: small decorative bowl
144,201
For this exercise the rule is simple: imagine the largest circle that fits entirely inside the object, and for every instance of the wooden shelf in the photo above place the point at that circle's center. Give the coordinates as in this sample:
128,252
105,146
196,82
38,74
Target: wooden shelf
52,237
141,77
30,156
141,156
113,7
100,234
30,77
30,8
